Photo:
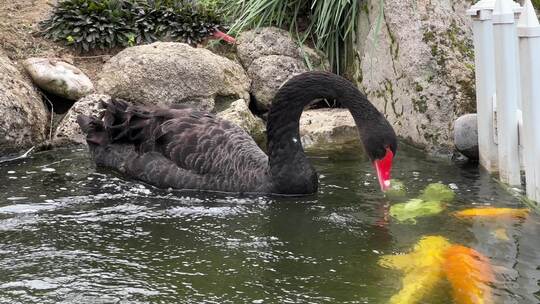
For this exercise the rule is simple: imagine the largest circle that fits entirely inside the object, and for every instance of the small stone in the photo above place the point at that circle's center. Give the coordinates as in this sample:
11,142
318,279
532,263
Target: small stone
58,77
466,135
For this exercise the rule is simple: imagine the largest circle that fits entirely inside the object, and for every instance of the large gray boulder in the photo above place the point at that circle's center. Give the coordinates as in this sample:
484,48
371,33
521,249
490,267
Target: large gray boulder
267,75
239,114
171,73
326,128
68,130
466,135
417,67
58,77
25,118
271,56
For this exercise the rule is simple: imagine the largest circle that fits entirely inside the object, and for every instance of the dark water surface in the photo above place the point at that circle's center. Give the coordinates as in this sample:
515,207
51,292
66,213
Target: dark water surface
71,233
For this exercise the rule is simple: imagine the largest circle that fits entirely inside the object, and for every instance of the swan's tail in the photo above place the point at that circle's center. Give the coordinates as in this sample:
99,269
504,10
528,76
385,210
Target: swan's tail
119,122
93,128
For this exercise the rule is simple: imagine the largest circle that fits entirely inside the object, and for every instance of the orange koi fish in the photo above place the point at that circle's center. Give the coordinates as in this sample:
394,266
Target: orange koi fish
492,212
469,272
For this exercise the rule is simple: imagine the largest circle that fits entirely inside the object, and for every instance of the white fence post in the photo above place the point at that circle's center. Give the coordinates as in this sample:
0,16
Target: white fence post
529,53
484,61
506,87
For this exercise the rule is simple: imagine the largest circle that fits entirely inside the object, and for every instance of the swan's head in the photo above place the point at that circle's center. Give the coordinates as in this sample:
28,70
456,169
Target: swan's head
381,147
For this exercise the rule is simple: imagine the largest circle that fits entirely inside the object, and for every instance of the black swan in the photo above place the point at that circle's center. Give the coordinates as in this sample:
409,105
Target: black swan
183,148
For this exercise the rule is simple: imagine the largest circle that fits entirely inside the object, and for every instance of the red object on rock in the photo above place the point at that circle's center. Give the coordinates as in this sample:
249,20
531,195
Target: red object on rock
221,35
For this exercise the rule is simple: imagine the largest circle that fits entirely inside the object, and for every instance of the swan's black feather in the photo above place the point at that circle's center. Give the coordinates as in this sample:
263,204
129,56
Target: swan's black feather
179,147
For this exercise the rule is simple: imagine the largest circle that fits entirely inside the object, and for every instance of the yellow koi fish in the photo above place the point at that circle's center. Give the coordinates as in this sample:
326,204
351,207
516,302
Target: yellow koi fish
422,268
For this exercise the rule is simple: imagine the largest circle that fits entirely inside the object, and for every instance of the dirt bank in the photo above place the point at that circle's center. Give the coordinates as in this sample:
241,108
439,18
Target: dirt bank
20,38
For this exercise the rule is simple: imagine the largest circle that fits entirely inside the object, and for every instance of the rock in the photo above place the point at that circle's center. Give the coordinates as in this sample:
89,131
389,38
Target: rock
268,73
58,77
239,114
328,129
68,131
170,73
420,71
267,41
263,42
271,57
25,119
466,135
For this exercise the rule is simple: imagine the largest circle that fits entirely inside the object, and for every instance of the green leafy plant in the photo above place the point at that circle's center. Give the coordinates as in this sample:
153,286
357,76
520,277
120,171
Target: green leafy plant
91,24
409,211
438,192
536,4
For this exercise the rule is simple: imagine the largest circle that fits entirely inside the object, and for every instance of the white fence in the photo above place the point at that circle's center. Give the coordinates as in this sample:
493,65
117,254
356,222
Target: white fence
507,59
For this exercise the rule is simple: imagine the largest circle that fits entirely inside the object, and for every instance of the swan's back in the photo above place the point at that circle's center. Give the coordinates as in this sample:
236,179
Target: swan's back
179,148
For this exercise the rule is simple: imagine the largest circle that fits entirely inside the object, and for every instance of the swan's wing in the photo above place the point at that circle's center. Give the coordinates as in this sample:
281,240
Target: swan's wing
202,146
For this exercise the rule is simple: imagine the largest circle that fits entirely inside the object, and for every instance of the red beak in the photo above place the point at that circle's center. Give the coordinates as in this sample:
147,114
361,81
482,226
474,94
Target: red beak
383,167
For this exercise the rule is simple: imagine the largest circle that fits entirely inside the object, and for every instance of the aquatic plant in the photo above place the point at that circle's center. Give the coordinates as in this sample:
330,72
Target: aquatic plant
437,192
91,24
397,189
409,211
332,24
430,202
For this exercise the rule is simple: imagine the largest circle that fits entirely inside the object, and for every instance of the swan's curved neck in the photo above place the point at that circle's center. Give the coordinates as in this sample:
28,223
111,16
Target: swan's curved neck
290,170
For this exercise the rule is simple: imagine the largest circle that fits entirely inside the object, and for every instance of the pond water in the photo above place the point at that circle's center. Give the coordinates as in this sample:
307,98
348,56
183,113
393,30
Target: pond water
71,233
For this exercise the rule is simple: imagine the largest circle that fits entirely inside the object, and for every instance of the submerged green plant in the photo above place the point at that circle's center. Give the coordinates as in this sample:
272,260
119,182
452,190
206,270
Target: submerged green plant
437,192
431,201
409,211
397,189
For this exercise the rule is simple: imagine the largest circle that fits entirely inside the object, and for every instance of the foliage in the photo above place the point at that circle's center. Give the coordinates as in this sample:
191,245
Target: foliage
409,211
90,24
397,189
437,192
536,4
430,202
332,23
